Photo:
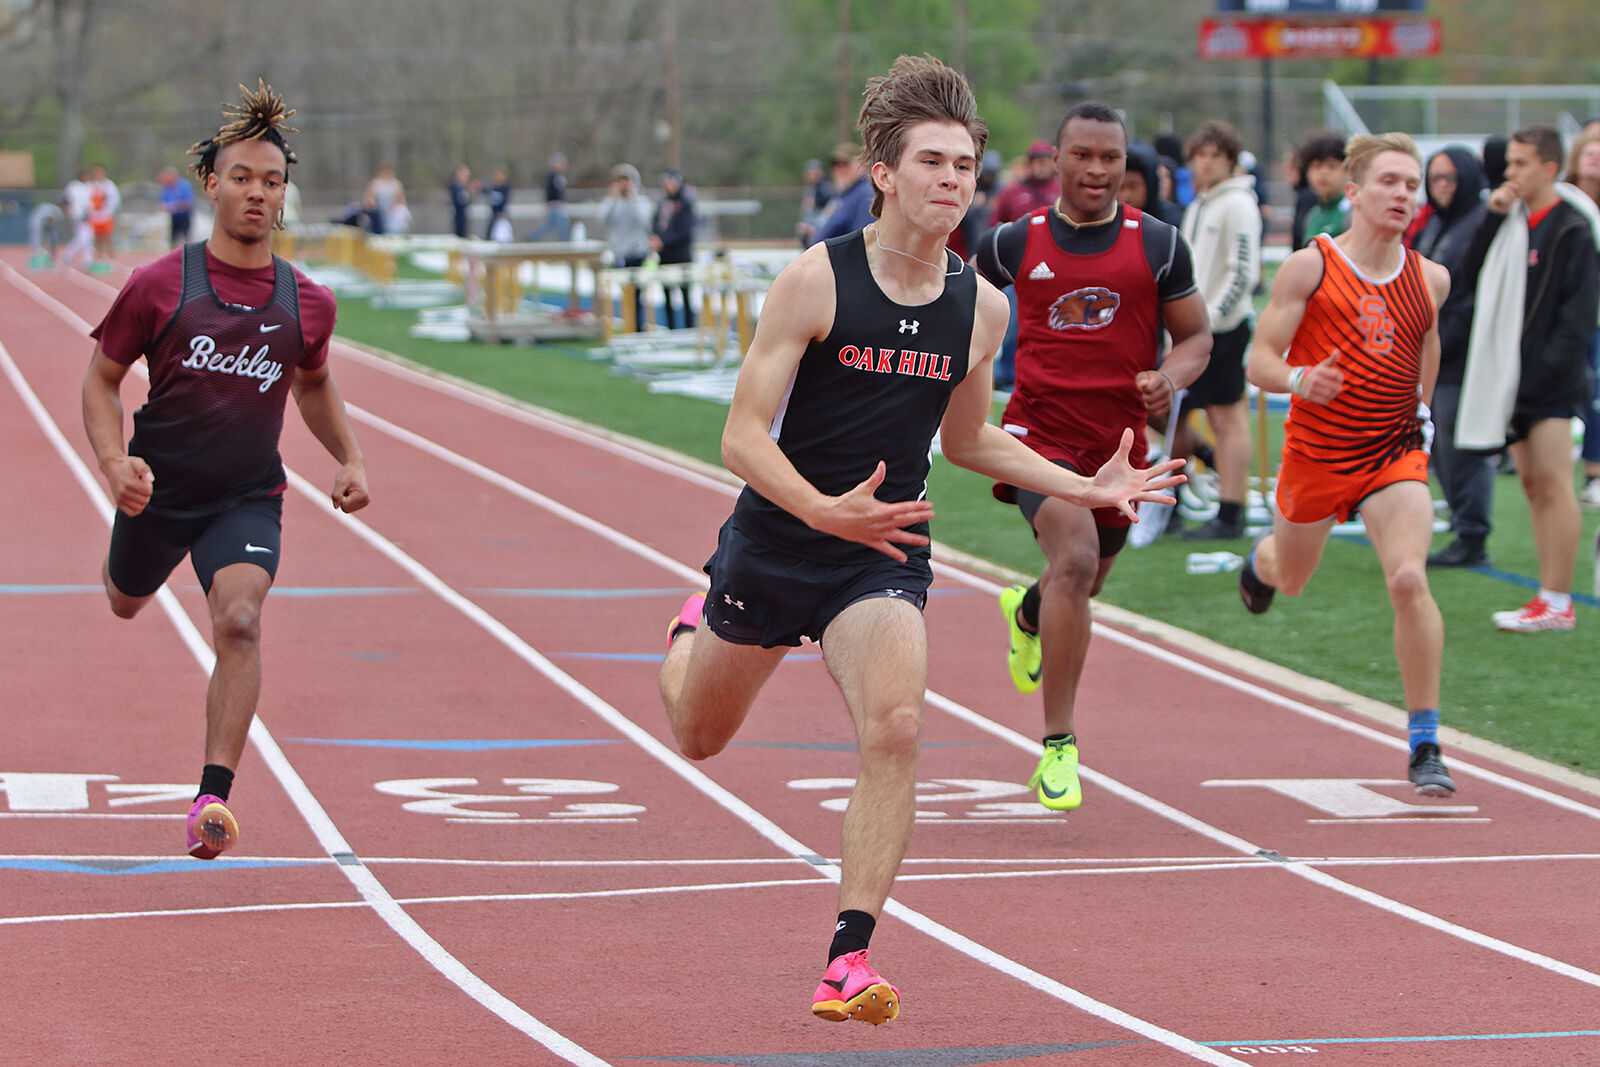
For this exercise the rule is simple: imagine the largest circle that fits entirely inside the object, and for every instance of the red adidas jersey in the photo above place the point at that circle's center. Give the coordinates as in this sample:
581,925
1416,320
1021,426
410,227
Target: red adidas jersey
1086,326
1377,327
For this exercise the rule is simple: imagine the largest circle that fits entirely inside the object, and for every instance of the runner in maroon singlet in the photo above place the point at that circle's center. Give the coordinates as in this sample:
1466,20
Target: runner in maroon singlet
1095,284
229,332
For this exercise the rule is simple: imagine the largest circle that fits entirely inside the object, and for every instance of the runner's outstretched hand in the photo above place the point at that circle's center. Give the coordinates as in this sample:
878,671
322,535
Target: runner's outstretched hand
861,517
1119,484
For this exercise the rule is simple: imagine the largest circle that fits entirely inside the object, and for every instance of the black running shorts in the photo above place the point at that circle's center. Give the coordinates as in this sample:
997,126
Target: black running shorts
764,596
147,548
1222,382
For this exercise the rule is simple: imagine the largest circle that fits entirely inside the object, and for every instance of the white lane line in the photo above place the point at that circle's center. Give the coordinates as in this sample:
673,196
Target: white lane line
328,836
1240,844
747,814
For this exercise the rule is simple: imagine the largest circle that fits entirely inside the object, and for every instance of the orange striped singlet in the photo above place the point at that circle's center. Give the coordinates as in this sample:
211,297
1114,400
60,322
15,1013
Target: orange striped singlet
1377,328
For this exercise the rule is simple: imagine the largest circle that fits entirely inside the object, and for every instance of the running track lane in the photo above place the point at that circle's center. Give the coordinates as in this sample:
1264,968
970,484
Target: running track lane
1144,948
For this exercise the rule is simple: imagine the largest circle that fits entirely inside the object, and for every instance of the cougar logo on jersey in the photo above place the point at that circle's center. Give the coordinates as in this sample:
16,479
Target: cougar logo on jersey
1090,308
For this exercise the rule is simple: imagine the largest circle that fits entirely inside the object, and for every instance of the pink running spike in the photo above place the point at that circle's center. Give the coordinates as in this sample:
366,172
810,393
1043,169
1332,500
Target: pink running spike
851,989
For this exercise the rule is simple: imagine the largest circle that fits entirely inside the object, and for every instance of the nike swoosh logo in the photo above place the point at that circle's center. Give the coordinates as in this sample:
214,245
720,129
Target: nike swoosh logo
248,547
839,985
268,329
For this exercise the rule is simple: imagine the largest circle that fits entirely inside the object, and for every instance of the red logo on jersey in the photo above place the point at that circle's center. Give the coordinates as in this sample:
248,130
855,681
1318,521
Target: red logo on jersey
1090,308
1377,328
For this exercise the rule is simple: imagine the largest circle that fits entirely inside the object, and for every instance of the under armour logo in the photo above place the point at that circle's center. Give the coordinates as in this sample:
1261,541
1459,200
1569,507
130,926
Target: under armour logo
732,603
909,326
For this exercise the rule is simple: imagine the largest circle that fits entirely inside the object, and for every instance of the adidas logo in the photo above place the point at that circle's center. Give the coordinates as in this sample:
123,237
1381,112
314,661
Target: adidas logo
1041,273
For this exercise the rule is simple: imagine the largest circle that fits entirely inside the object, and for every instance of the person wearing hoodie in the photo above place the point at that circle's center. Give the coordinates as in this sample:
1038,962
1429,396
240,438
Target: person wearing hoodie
1141,185
672,239
1455,186
1223,227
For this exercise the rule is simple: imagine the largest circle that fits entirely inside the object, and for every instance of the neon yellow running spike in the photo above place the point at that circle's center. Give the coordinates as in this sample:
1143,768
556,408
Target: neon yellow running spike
1056,777
1023,657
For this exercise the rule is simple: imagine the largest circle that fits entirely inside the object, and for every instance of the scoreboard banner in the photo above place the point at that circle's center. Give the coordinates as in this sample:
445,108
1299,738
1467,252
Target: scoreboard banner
1375,38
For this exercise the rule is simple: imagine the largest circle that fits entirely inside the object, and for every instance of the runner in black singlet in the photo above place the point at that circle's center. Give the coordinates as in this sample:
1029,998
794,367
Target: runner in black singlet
866,346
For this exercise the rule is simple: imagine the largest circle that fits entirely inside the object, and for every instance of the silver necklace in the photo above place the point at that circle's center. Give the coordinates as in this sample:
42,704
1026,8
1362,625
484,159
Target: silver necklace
936,266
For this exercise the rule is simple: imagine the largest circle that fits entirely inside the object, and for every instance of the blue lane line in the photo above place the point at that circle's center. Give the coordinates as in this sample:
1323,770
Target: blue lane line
1406,1040
449,745
37,590
182,866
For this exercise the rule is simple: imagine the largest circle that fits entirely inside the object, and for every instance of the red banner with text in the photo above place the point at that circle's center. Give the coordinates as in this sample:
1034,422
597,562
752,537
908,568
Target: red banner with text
1318,39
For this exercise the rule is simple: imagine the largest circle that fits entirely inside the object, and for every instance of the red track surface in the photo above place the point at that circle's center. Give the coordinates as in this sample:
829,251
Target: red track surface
601,900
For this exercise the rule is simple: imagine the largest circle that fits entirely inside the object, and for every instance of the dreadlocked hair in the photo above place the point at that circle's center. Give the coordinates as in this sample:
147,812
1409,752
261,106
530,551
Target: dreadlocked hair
259,116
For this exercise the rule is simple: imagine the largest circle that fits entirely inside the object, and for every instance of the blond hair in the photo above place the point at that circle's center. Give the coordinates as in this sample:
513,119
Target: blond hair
916,89
1363,148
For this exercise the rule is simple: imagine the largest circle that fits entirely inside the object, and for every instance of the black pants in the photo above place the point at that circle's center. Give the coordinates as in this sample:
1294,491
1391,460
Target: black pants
1467,479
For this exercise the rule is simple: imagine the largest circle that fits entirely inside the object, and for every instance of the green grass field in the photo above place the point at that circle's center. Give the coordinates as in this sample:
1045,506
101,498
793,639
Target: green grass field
1535,693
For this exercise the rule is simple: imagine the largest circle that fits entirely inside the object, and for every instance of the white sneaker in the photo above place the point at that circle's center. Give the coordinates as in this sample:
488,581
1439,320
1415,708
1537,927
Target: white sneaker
1534,616
1590,497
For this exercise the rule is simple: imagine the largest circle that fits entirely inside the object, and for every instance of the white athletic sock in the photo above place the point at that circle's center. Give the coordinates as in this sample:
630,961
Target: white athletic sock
1557,601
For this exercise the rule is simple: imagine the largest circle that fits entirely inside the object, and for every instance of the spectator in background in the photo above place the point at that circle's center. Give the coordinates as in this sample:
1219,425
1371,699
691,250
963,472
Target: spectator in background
672,239
1170,147
626,214
1326,209
75,197
1223,227
498,197
1040,186
177,200
819,191
1583,172
851,207
1455,184
104,200
462,189
1141,185
557,222
384,196
1494,160
1533,261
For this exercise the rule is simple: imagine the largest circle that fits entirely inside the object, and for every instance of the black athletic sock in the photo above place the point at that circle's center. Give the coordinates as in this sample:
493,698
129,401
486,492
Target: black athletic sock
1230,512
1070,739
1030,608
1206,455
215,780
851,934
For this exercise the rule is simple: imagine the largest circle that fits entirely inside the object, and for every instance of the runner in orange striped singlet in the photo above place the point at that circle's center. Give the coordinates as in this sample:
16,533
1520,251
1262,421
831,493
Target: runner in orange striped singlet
1351,332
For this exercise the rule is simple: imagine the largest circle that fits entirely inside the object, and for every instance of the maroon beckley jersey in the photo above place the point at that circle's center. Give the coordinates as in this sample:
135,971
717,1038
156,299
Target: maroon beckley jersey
222,343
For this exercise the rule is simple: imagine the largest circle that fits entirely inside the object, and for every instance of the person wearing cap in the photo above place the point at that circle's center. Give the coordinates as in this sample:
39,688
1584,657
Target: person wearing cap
851,209
672,239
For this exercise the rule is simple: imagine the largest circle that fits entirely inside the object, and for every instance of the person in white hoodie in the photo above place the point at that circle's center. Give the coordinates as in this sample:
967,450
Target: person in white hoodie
1223,227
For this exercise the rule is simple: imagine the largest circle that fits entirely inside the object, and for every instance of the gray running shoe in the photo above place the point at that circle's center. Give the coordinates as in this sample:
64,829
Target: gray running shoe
1428,775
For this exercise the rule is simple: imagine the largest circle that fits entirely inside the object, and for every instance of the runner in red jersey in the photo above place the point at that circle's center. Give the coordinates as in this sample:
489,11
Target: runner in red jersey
229,333
1356,315
1095,283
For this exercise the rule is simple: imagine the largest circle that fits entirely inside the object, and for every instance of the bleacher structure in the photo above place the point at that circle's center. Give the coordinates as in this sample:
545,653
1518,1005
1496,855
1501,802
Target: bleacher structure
1437,115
